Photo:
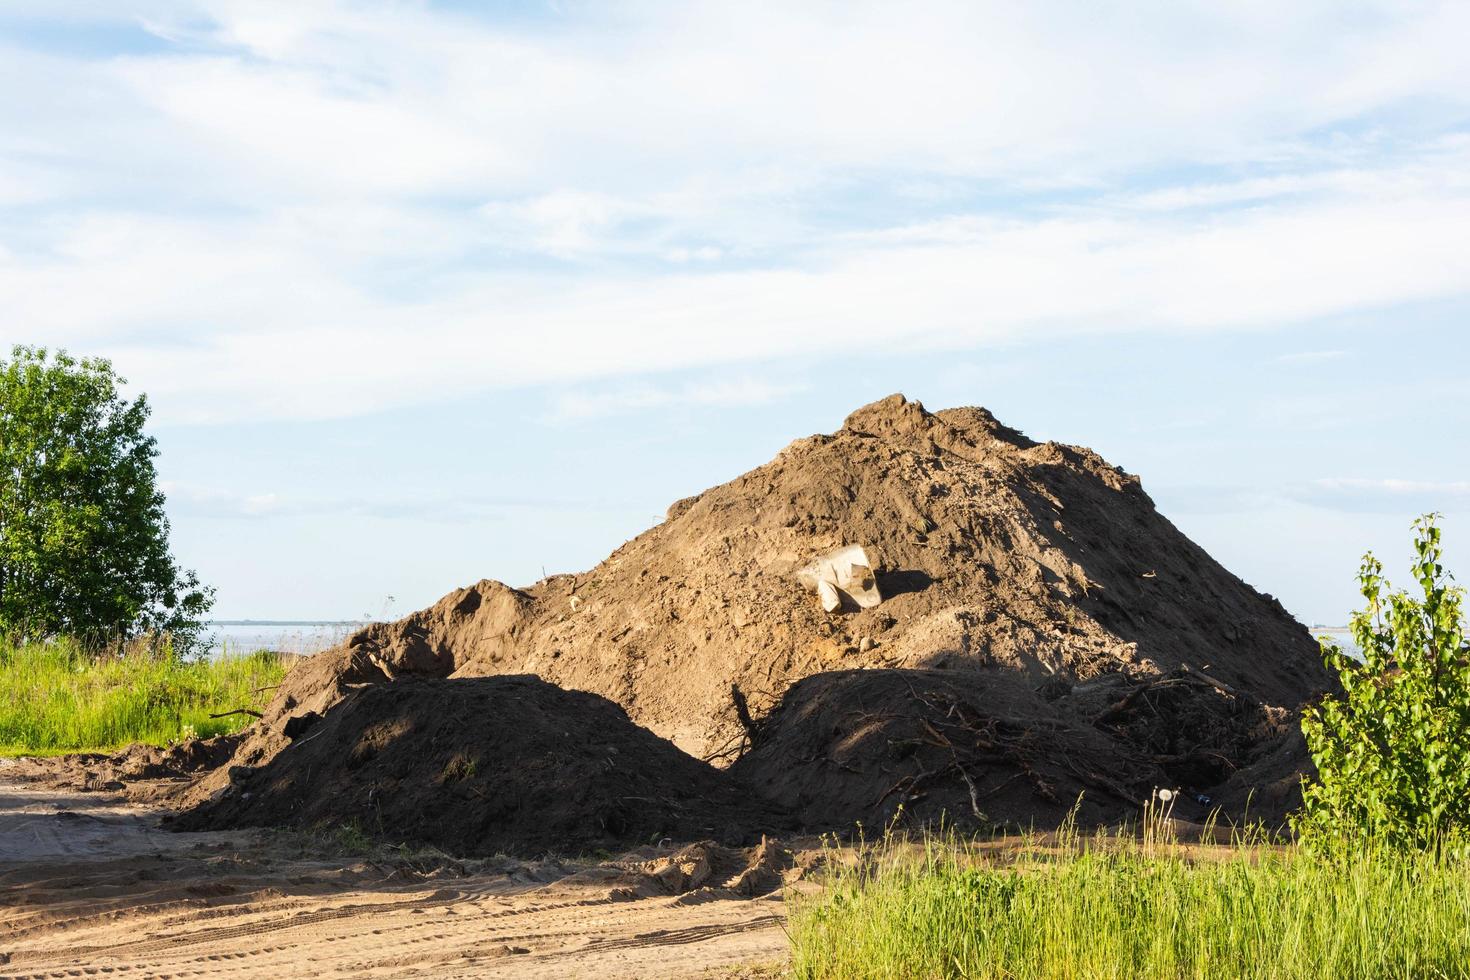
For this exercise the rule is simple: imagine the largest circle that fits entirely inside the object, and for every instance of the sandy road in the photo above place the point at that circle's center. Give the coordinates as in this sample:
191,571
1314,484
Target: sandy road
90,886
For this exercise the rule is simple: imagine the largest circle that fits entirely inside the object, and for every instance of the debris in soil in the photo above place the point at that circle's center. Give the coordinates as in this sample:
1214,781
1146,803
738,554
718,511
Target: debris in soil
1271,786
971,748
842,579
706,865
479,766
993,750
1086,644
1198,731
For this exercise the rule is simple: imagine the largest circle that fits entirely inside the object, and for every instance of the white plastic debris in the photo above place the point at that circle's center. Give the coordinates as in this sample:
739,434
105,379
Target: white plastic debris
841,577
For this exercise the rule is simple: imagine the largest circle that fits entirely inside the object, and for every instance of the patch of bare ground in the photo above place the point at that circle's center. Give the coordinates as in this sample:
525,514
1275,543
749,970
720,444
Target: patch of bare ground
90,885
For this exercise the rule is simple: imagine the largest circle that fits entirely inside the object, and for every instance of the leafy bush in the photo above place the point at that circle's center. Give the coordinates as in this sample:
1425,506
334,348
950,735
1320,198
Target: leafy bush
1393,751
83,534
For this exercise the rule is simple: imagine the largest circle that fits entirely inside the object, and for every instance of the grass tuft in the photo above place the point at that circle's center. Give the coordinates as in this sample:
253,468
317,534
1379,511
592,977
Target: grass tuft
55,697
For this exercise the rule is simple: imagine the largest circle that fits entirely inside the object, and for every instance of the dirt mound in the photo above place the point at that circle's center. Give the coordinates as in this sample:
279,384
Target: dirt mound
1035,570
993,552
992,750
484,765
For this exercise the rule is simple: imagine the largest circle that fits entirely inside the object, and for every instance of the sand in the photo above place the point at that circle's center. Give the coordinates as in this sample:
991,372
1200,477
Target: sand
91,885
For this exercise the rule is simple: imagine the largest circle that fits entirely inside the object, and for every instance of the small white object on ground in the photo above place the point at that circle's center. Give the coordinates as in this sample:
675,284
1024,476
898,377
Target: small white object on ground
842,574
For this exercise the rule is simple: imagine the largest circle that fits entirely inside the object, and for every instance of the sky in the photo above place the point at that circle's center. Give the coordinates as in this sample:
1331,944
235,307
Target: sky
423,293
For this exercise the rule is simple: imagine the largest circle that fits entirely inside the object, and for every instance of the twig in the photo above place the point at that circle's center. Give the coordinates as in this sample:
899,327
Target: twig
238,711
960,767
1104,783
742,712
1218,685
734,746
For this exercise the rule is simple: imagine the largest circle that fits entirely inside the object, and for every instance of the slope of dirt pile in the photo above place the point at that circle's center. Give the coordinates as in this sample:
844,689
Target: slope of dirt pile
993,551
486,765
992,749
1036,566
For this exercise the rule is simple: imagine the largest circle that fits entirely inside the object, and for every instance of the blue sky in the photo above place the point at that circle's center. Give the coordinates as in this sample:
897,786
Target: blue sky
424,293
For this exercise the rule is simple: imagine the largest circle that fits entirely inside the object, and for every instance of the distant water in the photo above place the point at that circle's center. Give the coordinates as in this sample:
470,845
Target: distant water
301,636
1340,635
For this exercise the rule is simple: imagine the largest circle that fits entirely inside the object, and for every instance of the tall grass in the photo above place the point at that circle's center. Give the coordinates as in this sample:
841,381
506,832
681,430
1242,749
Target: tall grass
55,697
1122,910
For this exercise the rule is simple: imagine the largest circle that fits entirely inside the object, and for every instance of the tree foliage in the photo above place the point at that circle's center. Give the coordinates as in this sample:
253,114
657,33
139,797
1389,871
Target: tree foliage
1393,751
83,534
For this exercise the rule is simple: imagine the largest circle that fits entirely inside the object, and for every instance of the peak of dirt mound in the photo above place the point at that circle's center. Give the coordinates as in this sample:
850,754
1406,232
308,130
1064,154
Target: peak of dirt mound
1019,567
485,765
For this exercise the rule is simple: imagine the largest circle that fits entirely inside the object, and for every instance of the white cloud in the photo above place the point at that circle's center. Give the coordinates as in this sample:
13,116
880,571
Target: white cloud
193,501
1451,488
262,504
310,210
289,317
1382,495
1355,495
333,99
562,223
387,95
580,405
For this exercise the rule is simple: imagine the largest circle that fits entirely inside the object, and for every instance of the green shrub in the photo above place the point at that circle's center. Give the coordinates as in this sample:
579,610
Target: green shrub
1393,751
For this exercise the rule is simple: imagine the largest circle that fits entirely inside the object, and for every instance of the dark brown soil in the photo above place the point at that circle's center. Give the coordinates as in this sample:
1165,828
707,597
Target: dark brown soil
487,765
916,747
924,745
1033,596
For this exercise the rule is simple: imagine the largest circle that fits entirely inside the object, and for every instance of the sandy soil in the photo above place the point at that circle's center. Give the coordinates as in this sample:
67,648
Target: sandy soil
92,886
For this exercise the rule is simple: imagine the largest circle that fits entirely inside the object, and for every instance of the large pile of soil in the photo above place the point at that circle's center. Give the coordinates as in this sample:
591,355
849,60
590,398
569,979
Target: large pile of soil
994,551
1037,575
488,765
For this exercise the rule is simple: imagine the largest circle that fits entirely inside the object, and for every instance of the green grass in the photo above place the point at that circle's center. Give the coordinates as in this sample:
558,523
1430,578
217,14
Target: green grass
55,698
1124,910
